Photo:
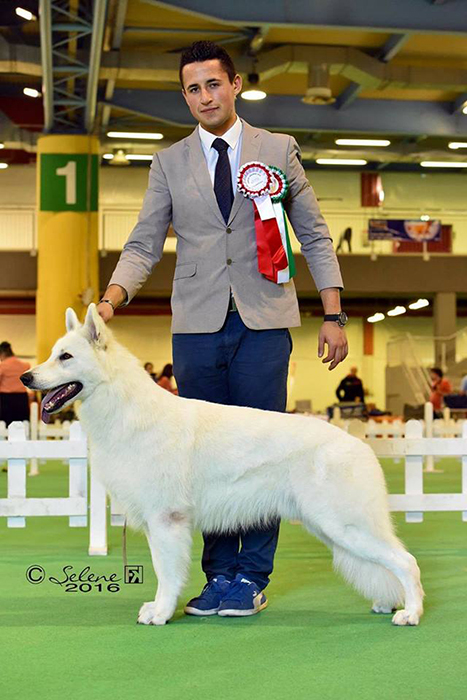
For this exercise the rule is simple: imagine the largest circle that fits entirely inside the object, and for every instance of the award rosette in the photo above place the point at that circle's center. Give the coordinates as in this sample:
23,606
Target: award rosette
263,185
279,190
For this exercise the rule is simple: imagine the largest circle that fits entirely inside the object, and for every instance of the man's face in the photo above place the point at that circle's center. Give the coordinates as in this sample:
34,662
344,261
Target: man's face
210,95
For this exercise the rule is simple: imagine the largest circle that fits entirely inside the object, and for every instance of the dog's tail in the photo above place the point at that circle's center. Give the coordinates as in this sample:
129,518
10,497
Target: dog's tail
372,580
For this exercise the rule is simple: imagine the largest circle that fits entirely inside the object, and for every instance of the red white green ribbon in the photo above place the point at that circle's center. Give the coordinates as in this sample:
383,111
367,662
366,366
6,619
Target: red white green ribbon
267,186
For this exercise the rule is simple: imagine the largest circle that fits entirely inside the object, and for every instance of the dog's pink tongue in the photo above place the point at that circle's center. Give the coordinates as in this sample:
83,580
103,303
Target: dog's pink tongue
46,417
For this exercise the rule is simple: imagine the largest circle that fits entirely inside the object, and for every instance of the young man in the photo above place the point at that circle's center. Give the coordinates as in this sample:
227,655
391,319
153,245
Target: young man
231,342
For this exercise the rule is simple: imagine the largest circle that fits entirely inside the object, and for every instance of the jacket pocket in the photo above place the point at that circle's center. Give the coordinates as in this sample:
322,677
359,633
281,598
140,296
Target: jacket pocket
185,270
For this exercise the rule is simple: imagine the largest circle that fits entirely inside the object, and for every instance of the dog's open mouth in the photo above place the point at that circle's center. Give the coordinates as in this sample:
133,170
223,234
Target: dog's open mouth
56,398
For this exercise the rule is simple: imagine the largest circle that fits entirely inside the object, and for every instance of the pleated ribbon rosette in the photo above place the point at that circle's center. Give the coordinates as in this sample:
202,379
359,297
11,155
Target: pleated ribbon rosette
267,186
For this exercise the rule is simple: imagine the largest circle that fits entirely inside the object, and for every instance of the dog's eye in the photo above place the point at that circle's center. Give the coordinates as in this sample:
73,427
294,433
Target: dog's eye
65,356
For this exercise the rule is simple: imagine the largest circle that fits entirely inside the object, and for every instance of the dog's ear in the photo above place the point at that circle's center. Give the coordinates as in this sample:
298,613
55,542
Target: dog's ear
71,320
95,327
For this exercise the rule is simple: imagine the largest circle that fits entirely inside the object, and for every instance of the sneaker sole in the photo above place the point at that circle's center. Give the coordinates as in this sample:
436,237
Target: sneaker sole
200,613
242,613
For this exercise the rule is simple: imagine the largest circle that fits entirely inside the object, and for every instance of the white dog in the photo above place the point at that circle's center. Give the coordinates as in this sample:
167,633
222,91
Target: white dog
177,464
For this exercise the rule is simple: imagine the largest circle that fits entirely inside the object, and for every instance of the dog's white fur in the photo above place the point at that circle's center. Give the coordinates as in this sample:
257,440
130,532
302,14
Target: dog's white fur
177,464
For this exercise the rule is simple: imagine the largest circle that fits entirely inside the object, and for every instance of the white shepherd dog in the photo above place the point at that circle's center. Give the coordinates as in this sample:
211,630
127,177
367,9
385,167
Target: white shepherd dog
177,464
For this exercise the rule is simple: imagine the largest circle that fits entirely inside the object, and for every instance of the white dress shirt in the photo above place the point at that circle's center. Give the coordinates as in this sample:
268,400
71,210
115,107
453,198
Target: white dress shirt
234,138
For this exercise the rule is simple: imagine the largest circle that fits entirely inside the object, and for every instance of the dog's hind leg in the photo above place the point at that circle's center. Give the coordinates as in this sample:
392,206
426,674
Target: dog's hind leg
169,539
380,569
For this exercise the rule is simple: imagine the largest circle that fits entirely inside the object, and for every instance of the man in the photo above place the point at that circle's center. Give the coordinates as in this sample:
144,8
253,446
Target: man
231,342
351,387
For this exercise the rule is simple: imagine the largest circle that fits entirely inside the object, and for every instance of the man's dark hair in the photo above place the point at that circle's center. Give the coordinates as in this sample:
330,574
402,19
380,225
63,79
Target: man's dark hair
5,349
207,51
438,371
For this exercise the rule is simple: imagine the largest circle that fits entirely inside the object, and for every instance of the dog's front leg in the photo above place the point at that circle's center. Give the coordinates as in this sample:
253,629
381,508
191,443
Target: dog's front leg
169,538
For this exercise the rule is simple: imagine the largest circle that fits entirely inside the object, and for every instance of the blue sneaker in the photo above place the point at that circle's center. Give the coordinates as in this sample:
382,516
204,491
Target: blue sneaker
208,602
242,598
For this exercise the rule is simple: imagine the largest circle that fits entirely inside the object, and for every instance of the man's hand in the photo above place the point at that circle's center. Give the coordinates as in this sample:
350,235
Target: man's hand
336,340
105,311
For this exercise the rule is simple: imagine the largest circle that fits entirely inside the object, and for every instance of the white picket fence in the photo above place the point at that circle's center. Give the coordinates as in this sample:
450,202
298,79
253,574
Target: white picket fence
17,450
413,447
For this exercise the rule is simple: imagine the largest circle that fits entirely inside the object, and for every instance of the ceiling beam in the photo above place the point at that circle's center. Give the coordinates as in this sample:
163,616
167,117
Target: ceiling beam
98,23
394,16
348,95
286,112
392,47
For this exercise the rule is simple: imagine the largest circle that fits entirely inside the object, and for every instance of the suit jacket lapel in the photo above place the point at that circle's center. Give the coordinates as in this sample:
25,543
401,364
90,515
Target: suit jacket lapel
200,172
251,143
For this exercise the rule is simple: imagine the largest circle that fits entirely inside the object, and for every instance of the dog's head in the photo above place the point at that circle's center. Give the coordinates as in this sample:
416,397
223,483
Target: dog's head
76,364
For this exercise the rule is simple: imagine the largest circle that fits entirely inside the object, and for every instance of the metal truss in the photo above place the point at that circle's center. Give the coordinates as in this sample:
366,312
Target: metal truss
71,32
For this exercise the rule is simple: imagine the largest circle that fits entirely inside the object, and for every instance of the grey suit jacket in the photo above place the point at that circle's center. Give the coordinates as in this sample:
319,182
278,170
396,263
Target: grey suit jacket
214,257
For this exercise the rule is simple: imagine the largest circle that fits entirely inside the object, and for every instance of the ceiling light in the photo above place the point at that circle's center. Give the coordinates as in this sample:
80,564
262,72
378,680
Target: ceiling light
135,135
363,142
254,95
419,304
375,318
31,92
139,156
465,110
2,145
25,14
340,161
3,166
118,158
457,144
424,217
397,311
442,164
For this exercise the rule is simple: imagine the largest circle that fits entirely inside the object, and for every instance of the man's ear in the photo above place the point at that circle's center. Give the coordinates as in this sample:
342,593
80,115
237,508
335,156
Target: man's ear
71,320
95,327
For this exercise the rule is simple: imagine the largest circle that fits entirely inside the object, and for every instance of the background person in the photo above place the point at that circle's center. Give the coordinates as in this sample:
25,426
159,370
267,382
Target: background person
149,367
165,379
440,387
351,387
14,398
231,343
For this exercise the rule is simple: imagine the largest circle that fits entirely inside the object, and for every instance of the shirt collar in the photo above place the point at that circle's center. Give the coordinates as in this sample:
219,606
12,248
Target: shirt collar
231,136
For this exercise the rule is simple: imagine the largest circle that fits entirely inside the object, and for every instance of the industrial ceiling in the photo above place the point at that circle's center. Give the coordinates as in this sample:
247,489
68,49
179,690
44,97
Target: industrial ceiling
395,69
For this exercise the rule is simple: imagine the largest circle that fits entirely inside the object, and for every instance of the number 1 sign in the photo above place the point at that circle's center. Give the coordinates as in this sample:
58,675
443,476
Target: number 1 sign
68,182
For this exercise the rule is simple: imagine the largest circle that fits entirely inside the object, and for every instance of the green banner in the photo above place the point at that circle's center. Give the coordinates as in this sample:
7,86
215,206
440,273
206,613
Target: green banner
69,182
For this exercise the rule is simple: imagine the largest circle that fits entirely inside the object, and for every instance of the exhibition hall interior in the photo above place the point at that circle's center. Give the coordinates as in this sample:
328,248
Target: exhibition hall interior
375,96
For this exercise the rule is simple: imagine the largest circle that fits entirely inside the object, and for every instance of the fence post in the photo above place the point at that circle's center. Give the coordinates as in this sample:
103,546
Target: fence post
78,476
16,472
33,435
97,518
414,470
464,470
428,411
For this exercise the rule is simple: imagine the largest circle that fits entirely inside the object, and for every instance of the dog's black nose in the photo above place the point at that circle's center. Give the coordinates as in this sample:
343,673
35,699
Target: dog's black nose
27,378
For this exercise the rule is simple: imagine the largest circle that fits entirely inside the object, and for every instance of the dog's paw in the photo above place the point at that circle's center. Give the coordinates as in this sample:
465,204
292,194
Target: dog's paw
404,617
381,608
150,615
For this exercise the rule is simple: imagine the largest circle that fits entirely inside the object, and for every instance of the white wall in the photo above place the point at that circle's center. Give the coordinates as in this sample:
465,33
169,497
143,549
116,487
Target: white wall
408,195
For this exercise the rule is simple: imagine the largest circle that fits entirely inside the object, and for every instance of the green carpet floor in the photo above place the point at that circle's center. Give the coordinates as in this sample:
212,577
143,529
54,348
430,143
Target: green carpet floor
317,639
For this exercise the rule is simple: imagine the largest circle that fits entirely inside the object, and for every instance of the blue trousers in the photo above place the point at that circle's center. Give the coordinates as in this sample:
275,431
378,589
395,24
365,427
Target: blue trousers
236,366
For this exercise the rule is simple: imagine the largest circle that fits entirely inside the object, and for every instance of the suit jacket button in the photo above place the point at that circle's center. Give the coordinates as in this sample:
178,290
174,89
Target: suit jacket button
229,261
228,230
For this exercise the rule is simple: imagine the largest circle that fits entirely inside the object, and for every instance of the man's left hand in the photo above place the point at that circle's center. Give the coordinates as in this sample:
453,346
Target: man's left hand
334,337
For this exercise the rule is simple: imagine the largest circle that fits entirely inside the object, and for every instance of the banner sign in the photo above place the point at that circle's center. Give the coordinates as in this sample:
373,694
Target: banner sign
404,230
